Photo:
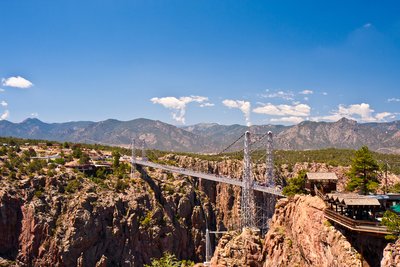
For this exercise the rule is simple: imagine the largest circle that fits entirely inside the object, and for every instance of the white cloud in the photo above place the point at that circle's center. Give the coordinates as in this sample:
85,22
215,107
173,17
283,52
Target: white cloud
306,98
361,112
244,106
2,90
3,103
367,25
393,99
34,114
306,92
17,81
287,95
324,93
381,116
291,119
207,105
178,105
284,110
5,115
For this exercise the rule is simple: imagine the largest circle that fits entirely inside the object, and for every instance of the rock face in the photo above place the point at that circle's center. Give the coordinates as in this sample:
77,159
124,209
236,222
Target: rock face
10,223
391,255
244,249
43,225
300,236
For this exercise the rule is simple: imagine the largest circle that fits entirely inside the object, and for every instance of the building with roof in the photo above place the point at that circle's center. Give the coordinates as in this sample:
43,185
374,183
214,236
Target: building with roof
360,213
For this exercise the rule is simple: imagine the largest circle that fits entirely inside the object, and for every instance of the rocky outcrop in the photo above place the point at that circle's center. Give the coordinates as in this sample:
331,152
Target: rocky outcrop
41,224
10,222
391,255
244,249
300,236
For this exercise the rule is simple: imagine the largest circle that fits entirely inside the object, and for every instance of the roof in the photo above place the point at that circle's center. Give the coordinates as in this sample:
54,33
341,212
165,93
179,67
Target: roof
321,176
361,202
354,199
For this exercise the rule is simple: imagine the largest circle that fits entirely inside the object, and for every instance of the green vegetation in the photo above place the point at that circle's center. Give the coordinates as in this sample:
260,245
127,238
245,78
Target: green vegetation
146,220
73,186
38,193
394,188
296,185
363,172
327,223
84,158
169,260
116,155
392,221
121,185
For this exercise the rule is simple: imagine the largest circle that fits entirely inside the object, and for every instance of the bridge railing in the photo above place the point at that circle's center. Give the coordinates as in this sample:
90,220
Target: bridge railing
357,225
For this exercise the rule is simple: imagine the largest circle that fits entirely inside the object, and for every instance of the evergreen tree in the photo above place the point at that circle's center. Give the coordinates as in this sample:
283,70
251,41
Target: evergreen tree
363,172
116,155
296,185
392,221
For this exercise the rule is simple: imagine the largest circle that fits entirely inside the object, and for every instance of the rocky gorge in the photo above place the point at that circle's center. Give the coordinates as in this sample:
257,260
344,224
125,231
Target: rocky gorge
71,220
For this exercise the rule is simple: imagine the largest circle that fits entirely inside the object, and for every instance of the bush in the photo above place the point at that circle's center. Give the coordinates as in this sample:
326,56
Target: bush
60,161
121,185
169,260
72,186
395,188
38,193
146,220
392,221
296,185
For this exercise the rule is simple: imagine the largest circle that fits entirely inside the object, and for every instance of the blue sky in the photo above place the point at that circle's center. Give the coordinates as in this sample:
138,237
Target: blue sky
185,62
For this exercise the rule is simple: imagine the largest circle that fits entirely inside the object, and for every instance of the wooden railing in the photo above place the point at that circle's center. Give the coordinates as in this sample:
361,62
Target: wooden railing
318,193
356,225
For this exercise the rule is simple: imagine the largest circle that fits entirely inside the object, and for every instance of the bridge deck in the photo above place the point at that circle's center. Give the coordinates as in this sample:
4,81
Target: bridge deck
211,177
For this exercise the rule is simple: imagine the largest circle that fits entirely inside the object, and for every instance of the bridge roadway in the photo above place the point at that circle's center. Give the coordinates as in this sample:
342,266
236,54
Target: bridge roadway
211,177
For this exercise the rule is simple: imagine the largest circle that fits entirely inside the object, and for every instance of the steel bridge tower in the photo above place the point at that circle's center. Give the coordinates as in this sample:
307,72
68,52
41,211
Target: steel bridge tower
247,203
269,172
267,208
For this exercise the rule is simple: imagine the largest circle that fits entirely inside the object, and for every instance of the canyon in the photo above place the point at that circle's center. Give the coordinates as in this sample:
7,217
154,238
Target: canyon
45,223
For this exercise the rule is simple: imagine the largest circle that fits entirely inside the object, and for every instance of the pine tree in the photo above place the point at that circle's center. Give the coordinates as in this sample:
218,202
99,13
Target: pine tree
363,172
392,221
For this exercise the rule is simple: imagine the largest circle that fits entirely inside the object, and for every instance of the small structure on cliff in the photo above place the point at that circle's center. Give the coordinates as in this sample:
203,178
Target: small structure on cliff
324,181
360,213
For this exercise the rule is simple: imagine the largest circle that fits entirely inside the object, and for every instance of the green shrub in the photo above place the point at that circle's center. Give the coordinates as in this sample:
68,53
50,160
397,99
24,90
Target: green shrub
72,186
146,220
169,260
38,193
392,221
121,185
296,185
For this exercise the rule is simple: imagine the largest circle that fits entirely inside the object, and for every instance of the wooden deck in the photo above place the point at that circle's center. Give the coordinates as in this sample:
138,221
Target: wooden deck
356,225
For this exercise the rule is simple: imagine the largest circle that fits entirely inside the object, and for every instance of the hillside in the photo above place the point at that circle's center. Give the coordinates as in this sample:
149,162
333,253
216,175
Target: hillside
212,137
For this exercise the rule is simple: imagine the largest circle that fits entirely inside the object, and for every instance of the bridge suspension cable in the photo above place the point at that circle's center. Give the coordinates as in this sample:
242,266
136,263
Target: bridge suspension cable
231,145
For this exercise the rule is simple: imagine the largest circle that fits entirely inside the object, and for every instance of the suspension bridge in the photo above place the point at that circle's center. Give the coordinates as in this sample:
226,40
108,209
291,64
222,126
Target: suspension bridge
254,215
248,184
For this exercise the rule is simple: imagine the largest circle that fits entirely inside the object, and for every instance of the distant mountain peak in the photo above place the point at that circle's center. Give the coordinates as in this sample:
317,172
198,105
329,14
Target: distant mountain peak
31,120
346,120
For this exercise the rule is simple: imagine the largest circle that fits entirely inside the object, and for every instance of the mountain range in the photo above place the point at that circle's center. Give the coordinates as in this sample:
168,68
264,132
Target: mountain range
212,137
